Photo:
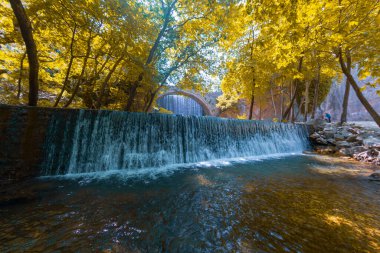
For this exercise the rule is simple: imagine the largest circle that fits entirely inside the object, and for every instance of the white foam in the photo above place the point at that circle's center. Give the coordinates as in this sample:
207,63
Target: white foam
154,173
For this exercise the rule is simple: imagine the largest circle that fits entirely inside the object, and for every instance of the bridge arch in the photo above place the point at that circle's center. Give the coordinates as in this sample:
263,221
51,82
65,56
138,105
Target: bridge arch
207,108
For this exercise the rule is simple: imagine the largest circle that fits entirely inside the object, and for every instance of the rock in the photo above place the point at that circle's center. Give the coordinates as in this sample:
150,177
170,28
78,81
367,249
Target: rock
371,156
348,139
351,151
329,128
318,139
346,134
325,150
318,124
345,152
357,150
343,144
373,153
353,130
328,134
352,138
331,142
321,141
339,137
315,136
375,176
372,142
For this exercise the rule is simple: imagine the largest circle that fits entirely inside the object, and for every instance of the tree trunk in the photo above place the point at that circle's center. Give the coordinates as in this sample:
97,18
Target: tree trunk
356,88
286,114
88,51
131,96
161,33
291,115
31,49
260,111
273,103
106,80
20,75
316,92
133,93
343,117
282,102
307,84
299,107
251,106
152,95
65,82
294,116
151,99
136,84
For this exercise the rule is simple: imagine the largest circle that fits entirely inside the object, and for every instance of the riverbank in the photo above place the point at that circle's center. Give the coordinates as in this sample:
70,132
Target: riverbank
359,141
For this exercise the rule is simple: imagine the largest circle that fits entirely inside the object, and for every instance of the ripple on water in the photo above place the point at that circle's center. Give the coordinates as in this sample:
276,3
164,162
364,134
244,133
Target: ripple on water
280,205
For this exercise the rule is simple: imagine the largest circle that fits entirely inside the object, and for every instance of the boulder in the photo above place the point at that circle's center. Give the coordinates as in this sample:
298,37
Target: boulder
372,142
375,176
351,151
357,150
353,130
339,137
318,124
328,134
343,144
345,152
321,141
331,142
371,156
315,136
352,138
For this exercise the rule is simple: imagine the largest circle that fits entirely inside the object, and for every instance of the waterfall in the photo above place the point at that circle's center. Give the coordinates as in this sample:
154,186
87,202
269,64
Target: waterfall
93,141
181,105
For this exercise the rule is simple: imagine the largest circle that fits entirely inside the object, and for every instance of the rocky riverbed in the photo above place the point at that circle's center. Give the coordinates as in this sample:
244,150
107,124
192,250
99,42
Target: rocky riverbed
357,140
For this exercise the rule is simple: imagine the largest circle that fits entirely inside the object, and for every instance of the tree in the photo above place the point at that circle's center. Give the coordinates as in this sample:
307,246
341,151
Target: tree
31,49
355,86
120,54
343,117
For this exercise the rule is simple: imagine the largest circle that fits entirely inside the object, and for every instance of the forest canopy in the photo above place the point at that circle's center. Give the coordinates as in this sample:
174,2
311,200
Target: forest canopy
121,54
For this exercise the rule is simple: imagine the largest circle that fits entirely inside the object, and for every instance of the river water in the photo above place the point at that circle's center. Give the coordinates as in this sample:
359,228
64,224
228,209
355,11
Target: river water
294,203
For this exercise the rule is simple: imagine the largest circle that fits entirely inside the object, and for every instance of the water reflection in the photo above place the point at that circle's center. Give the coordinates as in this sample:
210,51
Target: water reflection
270,206
309,215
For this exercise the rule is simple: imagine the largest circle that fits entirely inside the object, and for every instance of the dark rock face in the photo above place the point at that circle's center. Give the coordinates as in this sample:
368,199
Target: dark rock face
358,142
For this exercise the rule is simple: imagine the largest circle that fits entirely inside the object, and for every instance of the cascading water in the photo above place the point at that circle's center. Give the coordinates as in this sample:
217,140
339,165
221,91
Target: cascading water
180,105
94,141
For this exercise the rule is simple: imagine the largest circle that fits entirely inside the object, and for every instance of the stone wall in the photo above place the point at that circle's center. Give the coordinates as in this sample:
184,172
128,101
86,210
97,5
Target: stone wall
22,137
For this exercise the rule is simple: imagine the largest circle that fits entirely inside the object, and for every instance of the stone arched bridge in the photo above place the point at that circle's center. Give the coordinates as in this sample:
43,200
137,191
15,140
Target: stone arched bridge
208,108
